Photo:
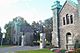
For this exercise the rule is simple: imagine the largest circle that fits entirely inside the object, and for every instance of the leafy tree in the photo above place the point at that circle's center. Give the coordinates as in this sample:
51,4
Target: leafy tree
0,35
10,28
8,32
48,23
37,29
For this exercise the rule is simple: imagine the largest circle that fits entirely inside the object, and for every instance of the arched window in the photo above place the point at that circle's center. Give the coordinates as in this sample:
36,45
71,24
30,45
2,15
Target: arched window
67,19
71,18
63,20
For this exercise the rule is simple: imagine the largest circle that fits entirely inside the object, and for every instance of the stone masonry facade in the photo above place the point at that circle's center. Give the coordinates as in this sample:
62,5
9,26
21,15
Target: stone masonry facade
69,25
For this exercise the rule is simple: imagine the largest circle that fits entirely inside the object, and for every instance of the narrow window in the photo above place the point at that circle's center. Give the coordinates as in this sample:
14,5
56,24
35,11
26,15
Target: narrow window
71,18
67,19
63,20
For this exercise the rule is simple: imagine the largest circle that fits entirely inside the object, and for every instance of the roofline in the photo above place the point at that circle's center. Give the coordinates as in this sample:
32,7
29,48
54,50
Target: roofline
64,5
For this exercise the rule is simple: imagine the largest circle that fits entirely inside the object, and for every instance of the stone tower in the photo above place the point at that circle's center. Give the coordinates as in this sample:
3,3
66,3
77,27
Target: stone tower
55,34
78,6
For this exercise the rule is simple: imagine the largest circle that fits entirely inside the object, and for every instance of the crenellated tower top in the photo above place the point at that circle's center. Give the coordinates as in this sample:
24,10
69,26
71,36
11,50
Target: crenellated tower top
56,4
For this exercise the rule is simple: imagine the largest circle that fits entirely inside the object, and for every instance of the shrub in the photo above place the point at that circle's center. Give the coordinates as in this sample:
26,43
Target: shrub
75,51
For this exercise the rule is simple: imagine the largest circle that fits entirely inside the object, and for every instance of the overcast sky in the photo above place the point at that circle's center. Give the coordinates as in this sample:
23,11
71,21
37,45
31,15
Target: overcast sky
30,10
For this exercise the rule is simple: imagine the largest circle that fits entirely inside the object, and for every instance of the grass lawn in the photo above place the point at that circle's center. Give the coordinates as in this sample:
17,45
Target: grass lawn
5,46
35,51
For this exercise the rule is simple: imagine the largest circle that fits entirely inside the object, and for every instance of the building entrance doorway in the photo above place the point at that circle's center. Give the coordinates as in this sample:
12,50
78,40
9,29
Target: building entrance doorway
68,40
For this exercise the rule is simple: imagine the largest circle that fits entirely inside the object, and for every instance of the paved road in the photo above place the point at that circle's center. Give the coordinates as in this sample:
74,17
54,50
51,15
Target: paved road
17,48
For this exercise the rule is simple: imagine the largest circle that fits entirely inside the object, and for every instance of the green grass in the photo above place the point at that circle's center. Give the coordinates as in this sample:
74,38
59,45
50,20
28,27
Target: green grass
35,51
5,46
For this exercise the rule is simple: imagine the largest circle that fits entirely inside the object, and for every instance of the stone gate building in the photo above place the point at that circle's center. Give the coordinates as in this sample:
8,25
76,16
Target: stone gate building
66,24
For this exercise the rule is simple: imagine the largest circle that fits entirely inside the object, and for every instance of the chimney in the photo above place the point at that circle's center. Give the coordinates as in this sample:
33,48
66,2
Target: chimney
78,1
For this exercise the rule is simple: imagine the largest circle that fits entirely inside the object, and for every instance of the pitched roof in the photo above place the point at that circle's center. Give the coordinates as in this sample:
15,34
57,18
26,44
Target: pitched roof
70,2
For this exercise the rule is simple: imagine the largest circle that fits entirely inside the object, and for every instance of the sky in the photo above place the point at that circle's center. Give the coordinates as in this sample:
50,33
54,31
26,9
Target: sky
30,10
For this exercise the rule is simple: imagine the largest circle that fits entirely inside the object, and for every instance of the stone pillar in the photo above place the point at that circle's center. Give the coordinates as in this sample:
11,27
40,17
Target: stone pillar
54,40
22,43
42,40
56,24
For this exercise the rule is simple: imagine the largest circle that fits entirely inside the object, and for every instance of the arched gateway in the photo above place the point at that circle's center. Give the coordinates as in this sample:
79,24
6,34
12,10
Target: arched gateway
69,44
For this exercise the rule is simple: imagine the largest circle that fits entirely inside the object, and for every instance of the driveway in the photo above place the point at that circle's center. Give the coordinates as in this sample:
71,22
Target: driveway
17,48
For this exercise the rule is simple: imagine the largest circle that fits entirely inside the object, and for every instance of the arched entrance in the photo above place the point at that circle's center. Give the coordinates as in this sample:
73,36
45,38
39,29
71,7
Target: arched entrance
68,40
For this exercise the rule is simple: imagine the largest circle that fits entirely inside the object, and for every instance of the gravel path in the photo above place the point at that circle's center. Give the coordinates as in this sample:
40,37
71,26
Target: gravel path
17,48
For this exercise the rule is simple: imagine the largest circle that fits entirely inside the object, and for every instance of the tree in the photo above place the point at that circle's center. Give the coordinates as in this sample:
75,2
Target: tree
11,28
8,32
37,27
0,35
48,23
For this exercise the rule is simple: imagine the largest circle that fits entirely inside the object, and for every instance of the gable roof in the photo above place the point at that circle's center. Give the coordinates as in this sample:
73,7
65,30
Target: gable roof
70,2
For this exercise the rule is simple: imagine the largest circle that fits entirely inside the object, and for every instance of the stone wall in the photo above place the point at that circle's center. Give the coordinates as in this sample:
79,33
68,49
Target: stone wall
73,28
